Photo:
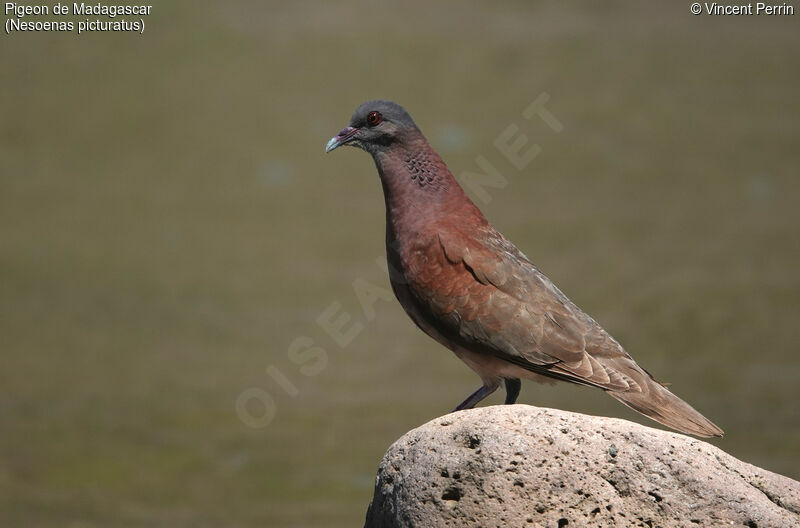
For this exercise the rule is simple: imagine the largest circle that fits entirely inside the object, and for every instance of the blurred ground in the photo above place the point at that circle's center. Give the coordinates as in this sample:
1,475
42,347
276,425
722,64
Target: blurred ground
169,224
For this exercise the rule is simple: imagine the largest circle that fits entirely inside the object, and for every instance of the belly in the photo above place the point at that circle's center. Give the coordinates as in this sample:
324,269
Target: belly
491,369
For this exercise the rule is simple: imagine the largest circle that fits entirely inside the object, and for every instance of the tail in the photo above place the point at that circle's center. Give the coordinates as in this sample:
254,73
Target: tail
658,403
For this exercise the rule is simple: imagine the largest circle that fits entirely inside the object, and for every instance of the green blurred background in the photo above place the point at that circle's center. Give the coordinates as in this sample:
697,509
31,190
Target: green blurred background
169,224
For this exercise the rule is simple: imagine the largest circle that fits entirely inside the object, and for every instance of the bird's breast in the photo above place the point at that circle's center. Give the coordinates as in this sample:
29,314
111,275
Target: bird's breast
427,285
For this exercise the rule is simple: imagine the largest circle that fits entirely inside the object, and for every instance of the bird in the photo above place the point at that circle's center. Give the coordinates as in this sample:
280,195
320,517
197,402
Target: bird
469,288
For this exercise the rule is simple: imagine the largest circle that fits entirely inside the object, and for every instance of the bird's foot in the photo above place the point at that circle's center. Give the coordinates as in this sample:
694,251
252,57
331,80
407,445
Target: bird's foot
475,397
513,386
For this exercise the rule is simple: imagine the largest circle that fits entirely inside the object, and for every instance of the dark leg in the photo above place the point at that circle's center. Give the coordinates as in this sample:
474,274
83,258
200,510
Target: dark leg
512,390
475,397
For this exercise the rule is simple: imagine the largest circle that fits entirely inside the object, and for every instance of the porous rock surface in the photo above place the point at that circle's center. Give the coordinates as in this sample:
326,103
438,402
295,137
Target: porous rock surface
517,465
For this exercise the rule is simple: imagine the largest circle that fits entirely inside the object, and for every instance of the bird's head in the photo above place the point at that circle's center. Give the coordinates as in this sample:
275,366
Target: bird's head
374,126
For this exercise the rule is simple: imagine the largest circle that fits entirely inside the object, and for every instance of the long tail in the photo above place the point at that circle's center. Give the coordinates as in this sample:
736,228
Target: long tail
658,403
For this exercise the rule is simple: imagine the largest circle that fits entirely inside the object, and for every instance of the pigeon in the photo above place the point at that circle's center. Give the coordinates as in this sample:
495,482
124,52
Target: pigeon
468,287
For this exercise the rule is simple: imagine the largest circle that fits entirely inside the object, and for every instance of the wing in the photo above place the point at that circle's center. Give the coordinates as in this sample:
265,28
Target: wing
493,298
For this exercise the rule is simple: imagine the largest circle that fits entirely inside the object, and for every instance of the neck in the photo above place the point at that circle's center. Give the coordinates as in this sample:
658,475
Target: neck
412,173
418,188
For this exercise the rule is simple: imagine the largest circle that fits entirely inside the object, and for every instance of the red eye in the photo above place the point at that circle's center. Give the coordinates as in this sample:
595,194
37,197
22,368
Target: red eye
374,118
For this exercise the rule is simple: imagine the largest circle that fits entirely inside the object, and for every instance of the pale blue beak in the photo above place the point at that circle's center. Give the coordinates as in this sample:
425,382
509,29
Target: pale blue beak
344,136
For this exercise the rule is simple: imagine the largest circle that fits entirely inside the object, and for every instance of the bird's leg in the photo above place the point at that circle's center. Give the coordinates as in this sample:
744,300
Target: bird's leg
513,386
476,396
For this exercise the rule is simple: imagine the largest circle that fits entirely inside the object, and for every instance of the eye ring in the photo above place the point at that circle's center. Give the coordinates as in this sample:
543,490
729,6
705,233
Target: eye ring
374,118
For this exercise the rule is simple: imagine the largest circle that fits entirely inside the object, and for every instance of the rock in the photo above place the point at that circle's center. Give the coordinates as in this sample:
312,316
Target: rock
517,465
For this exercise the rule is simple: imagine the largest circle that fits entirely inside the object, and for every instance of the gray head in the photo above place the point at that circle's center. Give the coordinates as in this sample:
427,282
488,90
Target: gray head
374,126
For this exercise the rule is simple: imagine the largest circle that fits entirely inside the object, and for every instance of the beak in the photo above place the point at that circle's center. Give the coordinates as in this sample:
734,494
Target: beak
345,135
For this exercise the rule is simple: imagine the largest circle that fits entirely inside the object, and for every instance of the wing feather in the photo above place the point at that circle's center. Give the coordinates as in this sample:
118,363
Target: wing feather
496,299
